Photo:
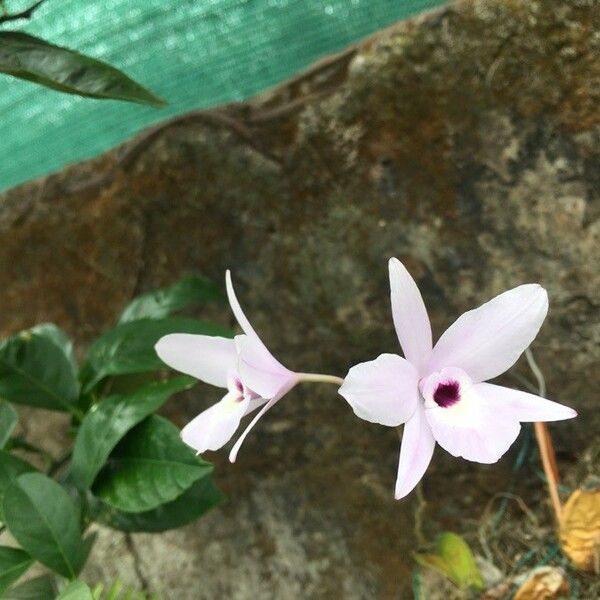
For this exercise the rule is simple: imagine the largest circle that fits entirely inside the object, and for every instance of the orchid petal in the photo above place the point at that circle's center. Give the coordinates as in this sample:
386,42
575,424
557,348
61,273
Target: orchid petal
238,444
488,340
525,407
416,452
237,309
384,390
474,428
259,370
410,315
208,358
215,426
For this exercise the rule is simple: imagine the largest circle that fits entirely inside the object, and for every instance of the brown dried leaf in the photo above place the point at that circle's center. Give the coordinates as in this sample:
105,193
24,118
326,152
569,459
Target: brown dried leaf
543,583
580,529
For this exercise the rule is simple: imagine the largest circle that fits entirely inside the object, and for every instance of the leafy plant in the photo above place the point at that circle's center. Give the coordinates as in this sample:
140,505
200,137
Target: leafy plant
62,69
127,467
453,558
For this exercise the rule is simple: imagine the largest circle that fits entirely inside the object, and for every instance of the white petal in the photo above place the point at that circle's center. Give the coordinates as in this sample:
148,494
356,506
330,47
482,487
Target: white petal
526,407
259,370
208,358
474,428
238,444
237,309
410,315
488,340
415,453
384,390
214,427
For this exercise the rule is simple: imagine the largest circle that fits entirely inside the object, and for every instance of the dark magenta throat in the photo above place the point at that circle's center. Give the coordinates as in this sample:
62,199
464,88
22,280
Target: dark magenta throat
447,394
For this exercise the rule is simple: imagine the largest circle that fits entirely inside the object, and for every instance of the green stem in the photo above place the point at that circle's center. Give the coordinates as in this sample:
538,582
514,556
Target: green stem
319,378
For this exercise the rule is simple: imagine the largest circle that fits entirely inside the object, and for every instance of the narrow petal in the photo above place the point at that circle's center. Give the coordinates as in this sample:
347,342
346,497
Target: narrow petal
210,359
259,370
214,427
237,309
384,390
410,315
525,407
415,453
238,444
488,340
474,428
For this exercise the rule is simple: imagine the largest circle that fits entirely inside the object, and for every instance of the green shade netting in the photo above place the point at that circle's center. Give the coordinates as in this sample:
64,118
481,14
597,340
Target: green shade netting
194,54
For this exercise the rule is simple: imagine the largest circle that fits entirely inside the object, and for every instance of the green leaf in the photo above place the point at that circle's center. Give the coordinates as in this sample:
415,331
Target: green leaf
10,468
150,466
35,371
103,427
191,290
454,560
44,520
129,347
8,421
193,503
76,590
60,339
38,588
27,57
13,563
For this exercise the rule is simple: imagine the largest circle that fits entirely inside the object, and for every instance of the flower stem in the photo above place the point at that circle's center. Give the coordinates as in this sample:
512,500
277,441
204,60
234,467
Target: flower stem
319,378
544,441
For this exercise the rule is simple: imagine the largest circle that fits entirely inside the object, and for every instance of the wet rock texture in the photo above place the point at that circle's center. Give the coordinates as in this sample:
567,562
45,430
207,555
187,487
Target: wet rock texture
466,143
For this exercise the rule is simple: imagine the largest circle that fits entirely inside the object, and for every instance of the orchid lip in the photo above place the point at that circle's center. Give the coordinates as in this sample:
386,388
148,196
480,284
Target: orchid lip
447,393
445,388
239,390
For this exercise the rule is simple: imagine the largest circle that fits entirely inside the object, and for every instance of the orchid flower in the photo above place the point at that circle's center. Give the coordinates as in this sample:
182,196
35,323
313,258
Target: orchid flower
243,366
439,391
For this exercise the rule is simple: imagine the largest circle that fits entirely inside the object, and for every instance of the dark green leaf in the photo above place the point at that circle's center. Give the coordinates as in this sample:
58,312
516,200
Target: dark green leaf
10,468
27,57
189,291
38,588
111,419
35,371
44,520
88,543
129,347
455,560
76,590
193,503
13,563
8,421
149,467
60,339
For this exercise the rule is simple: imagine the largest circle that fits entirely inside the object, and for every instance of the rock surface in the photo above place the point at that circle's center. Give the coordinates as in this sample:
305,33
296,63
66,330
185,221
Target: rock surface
465,142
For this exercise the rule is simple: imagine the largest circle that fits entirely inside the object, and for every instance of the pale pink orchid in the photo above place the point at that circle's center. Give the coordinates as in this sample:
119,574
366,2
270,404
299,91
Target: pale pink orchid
243,366
439,391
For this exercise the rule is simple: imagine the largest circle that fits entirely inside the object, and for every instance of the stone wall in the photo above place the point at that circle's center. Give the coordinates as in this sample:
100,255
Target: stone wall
465,142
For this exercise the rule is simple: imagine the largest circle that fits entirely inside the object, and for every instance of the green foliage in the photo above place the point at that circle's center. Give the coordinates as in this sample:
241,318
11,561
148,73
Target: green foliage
44,520
13,563
37,372
10,468
39,588
151,466
103,427
76,590
193,503
118,591
129,347
128,467
8,421
189,291
454,559
31,58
